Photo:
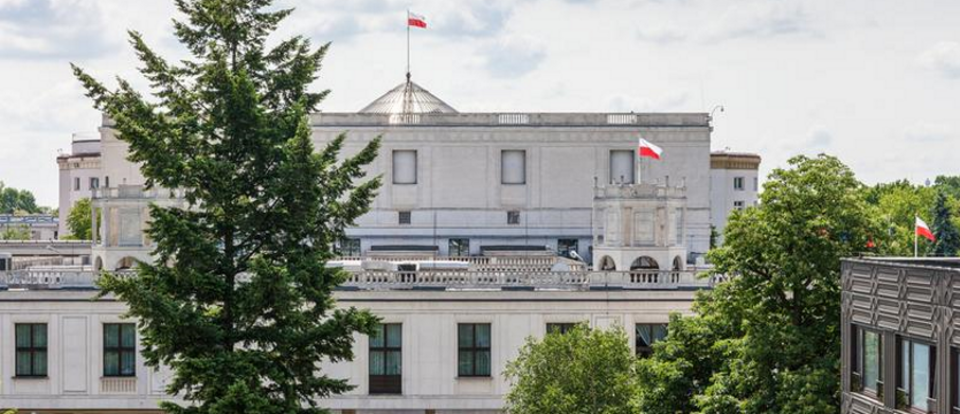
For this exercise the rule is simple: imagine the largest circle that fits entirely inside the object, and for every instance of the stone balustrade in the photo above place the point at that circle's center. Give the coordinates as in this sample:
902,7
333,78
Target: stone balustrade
33,279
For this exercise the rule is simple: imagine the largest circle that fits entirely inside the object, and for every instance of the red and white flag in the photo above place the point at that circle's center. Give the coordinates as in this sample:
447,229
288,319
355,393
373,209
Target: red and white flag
648,150
924,230
416,20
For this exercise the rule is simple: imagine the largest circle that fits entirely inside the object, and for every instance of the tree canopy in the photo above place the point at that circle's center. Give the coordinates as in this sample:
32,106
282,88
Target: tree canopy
947,239
14,201
768,341
238,301
583,370
79,220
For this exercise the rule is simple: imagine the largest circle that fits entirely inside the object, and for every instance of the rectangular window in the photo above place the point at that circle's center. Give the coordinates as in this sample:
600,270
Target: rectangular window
955,379
621,166
94,183
404,217
647,335
738,183
386,358
31,347
560,328
458,247
869,362
756,184
473,344
565,246
513,217
738,205
119,350
106,181
916,376
513,167
349,247
405,167
76,183
678,228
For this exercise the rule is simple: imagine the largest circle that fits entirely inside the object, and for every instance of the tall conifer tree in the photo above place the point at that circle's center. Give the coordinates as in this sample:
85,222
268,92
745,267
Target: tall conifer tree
238,301
947,238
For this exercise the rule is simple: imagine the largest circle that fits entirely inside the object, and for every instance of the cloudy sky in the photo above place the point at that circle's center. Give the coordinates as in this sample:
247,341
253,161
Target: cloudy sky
875,82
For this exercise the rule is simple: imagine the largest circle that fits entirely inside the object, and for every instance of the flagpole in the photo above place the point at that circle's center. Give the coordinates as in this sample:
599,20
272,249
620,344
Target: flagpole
408,44
916,250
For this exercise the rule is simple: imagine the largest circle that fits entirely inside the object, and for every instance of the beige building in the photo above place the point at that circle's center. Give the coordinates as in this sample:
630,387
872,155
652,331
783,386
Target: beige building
734,185
80,174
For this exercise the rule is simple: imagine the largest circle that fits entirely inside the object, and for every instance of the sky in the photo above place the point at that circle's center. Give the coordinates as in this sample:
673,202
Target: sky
874,82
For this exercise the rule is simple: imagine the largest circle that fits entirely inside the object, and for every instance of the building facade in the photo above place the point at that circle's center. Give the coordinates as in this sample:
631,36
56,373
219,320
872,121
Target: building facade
900,338
443,349
80,174
39,226
457,182
734,185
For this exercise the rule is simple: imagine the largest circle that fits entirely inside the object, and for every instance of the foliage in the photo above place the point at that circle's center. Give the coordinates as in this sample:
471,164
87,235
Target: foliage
79,220
15,233
580,371
896,205
948,184
944,230
768,340
13,201
239,301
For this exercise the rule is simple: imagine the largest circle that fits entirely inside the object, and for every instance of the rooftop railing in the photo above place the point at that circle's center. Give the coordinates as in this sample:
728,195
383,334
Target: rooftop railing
135,192
624,119
46,279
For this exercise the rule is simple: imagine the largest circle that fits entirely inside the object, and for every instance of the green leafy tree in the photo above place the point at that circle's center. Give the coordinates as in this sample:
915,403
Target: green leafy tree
79,220
13,201
239,302
580,371
896,205
950,184
15,233
768,340
947,238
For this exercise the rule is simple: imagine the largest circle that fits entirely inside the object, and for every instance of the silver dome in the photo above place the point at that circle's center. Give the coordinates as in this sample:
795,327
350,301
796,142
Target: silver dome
408,98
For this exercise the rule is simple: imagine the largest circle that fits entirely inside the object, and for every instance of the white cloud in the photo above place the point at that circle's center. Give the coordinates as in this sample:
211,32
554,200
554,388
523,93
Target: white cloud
943,57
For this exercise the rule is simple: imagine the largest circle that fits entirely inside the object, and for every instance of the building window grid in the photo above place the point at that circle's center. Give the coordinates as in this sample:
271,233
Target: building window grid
867,359
473,345
404,217
31,350
350,247
513,217
738,205
386,359
94,183
76,183
119,350
566,246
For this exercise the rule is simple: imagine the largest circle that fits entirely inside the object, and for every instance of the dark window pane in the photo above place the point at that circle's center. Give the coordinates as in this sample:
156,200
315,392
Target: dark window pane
111,335
394,335
40,335
393,363
40,363
483,336
23,336
376,340
129,336
465,366
376,363
128,363
111,363
23,363
465,335
483,363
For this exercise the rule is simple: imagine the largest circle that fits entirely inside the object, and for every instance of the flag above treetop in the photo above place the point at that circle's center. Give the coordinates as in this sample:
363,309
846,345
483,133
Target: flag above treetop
416,20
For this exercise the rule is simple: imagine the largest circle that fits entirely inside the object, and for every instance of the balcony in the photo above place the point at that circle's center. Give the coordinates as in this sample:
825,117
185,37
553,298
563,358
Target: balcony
450,280
135,192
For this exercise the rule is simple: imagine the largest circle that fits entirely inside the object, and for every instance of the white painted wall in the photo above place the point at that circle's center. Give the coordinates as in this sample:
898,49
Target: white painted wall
723,195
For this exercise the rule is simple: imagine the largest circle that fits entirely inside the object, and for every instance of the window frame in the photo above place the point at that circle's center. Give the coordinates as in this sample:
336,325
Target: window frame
393,383
627,180
574,247
76,183
902,373
647,351
739,205
511,214
475,350
858,359
94,183
462,243
404,214
33,350
739,184
393,166
523,169
350,247
560,327
120,349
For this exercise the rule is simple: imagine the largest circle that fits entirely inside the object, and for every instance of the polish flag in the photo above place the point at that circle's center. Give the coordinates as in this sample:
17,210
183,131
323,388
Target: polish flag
646,149
924,230
416,20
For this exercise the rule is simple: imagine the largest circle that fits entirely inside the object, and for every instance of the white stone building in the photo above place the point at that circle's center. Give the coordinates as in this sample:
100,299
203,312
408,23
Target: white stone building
40,226
734,185
80,174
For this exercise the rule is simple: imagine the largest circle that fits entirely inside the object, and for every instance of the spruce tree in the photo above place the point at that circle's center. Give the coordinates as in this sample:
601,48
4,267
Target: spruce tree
947,238
238,301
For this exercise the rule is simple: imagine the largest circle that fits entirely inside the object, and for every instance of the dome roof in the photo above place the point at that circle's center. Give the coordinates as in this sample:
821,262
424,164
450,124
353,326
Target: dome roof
408,98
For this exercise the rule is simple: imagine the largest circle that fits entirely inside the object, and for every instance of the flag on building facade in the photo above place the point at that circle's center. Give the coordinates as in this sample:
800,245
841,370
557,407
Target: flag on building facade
924,230
648,150
416,20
